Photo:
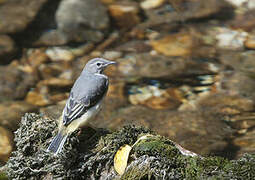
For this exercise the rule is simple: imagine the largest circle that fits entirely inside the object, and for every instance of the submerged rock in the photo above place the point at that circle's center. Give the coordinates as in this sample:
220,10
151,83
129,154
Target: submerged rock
126,15
175,45
82,20
12,111
156,98
6,144
15,81
7,49
90,156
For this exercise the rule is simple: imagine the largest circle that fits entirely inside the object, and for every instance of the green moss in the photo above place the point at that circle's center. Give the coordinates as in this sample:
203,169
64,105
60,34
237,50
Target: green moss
200,168
136,173
157,146
156,158
220,168
126,135
3,176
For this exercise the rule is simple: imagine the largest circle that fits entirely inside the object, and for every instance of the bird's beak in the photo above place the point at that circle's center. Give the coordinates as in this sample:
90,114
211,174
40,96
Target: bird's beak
111,62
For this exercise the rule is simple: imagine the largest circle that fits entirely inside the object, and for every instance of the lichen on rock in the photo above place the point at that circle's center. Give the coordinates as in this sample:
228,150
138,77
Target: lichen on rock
84,155
89,154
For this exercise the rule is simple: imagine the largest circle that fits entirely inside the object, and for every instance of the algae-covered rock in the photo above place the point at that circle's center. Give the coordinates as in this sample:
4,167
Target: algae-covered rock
84,156
89,154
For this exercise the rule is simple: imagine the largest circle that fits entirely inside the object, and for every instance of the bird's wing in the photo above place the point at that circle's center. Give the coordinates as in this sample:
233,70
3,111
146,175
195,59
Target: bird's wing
76,107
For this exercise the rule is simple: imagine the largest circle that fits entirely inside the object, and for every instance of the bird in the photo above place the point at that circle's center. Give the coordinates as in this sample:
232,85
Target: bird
84,101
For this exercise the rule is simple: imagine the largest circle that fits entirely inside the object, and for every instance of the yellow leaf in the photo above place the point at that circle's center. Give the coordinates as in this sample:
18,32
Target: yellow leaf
121,159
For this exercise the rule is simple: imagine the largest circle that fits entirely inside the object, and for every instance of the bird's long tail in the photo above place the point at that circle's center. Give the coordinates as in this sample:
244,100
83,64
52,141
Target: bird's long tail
57,143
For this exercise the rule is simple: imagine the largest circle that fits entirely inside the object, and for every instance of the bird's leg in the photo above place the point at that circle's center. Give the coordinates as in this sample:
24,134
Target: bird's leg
79,131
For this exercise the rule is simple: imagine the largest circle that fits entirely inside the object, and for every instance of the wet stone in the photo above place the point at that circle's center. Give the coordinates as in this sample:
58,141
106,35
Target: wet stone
12,111
36,57
245,142
244,21
238,83
249,43
46,92
56,82
38,98
134,46
125,14
82,20
155,98
230,39
150,4
156,66
191,10
7,49
179,44
15,15
54,69
113,55
59,54
15,81
6,144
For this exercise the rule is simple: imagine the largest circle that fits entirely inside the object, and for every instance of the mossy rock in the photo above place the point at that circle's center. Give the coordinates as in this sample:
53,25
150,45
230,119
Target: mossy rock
3,176
89,155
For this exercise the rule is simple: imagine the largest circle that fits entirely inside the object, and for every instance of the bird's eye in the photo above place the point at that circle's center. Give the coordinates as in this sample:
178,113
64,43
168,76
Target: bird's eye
98,64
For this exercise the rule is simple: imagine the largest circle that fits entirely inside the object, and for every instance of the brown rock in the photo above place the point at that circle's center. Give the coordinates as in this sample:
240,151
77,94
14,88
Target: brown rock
36,57
15,81
38,99
59,97
250,42
125,14
179,44
242,121
239,83
245,143
155,66
82,20
244,21
46,92
116,90
201,9
52,69
113,55
12,111
6,144
15,15
170,14
226,104
57,82
7,49
156,98
135,46
60,54
239,61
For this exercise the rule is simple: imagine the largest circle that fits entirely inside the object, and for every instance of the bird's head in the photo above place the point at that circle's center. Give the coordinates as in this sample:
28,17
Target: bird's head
97,65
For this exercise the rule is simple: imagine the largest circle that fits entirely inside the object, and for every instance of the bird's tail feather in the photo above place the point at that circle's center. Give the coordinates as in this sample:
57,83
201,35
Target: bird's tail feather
57,143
